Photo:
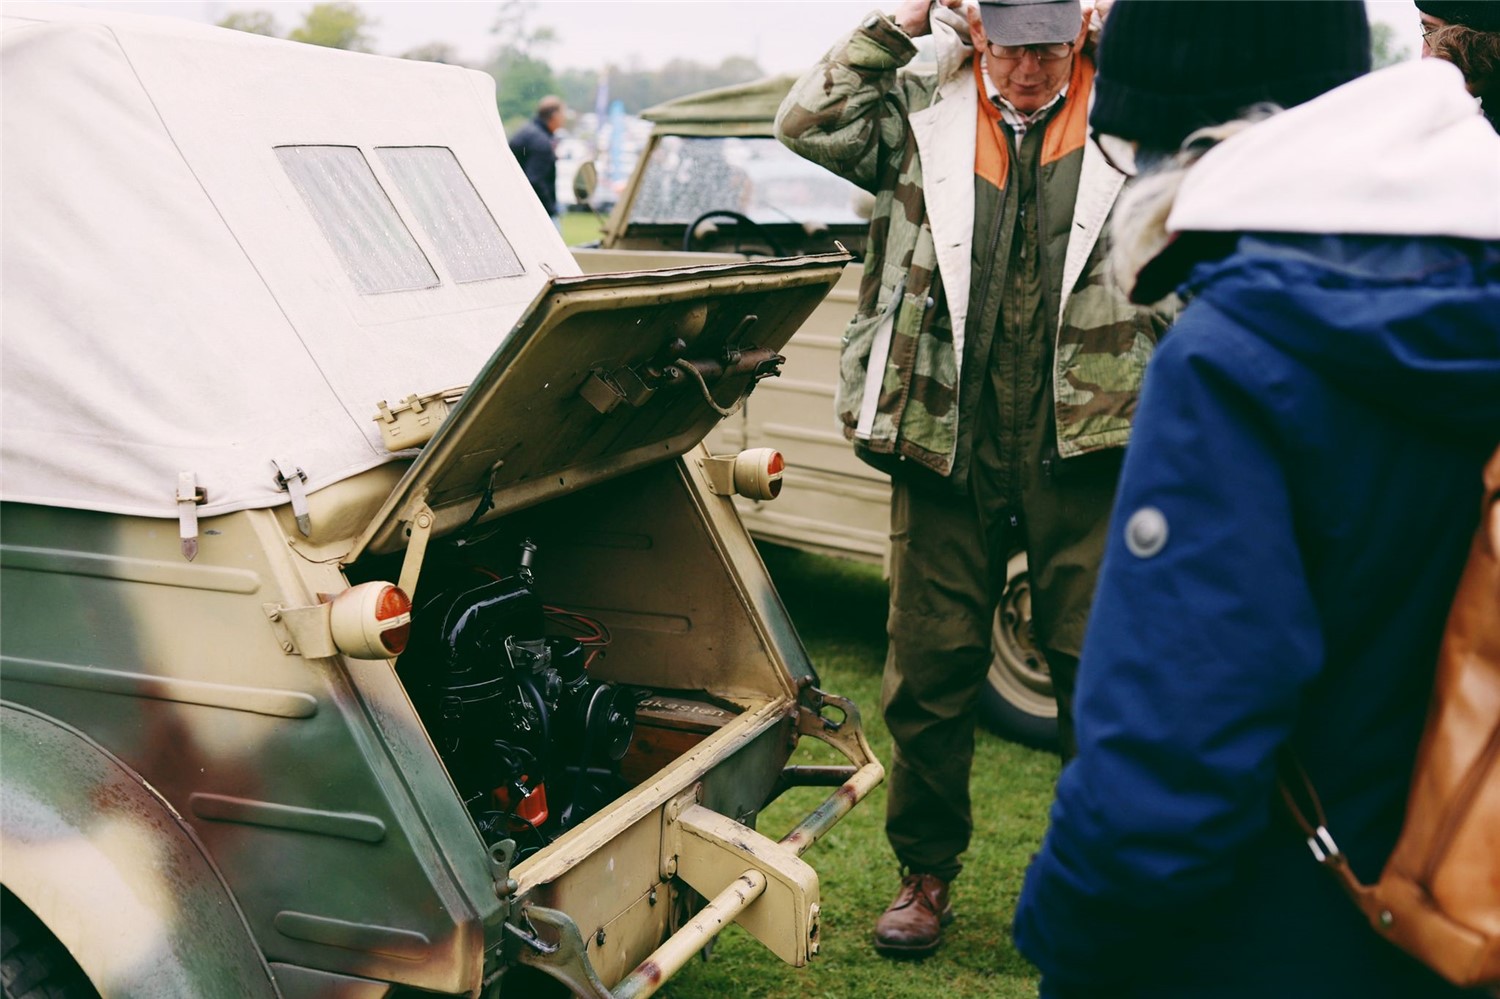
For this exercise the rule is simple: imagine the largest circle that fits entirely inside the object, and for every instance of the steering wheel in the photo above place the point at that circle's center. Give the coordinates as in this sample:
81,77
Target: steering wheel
752,228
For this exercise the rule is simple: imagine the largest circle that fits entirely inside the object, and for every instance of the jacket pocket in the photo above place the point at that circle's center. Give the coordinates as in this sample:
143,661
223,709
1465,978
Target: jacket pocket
867,349
854,365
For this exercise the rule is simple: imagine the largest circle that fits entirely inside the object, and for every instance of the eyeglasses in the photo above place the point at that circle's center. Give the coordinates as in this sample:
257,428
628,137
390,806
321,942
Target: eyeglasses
1045,53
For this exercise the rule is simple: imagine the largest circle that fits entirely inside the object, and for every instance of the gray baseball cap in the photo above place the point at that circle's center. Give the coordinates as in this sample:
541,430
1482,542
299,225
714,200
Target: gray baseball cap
1031,22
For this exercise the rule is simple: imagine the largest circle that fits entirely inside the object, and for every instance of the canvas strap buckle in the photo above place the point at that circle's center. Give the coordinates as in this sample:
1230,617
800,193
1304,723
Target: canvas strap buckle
189,496
295,486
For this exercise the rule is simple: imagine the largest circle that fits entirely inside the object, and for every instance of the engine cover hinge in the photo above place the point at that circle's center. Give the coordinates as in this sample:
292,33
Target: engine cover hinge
416,548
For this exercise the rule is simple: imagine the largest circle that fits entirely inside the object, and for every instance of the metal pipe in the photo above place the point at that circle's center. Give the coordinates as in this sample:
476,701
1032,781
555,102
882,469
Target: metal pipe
839,804
680,947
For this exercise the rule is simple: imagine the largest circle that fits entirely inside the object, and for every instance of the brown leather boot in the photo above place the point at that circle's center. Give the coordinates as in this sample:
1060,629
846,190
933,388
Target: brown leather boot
913,924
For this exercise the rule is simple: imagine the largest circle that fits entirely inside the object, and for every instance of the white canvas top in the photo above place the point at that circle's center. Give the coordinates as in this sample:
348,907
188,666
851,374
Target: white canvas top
185,289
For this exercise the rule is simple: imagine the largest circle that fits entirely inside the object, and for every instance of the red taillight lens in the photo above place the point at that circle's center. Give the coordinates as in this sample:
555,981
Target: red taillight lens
757,473
371,620
394,604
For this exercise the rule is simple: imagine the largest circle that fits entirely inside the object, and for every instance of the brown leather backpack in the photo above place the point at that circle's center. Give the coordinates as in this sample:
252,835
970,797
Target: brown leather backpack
1439,895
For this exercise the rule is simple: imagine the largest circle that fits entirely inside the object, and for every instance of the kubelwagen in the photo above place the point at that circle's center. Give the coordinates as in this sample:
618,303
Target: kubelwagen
373,623
714,184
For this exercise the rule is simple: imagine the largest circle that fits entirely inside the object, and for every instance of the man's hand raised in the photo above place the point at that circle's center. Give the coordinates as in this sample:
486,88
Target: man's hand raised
912,15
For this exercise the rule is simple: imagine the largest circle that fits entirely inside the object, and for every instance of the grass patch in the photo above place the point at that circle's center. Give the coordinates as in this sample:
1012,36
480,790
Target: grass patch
581,227
839,609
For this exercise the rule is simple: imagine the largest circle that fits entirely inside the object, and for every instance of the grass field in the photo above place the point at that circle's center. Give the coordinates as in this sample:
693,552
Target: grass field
839,609
580,227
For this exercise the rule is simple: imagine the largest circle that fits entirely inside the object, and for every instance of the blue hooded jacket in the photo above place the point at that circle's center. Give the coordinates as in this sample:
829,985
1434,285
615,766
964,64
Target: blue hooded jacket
1310,438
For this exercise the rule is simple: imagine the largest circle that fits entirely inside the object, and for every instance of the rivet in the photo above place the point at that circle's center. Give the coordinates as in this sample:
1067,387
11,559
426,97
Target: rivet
599,937
651,898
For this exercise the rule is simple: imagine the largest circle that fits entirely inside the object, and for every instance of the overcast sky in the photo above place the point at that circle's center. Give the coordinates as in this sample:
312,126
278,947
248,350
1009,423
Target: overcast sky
782,35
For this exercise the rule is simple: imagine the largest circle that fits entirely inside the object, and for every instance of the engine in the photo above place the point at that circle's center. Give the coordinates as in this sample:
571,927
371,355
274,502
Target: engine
531,740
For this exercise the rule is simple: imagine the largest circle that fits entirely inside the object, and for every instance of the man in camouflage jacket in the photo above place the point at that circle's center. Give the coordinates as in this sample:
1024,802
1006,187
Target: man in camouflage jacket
990,368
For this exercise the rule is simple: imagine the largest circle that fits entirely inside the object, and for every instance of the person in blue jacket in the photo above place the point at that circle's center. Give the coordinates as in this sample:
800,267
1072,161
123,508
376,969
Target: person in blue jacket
1295,505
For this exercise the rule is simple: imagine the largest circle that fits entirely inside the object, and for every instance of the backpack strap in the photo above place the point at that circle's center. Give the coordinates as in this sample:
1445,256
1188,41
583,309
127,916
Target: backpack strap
1295,787
1490,512
1305,809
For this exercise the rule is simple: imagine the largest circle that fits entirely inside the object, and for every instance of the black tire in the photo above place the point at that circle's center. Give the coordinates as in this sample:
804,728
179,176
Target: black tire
1016,702
33,964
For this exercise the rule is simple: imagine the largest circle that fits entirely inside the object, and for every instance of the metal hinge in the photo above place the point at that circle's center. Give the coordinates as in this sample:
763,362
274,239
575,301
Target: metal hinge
416,548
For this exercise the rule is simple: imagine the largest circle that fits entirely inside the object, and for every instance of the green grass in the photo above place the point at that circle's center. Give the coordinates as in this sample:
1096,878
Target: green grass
839,609
581,227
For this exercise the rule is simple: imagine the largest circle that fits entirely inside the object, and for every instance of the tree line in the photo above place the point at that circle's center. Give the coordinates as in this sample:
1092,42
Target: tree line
520,63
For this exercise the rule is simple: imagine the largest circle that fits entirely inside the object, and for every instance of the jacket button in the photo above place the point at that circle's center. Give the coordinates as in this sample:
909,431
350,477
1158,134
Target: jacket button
1146,532
931,301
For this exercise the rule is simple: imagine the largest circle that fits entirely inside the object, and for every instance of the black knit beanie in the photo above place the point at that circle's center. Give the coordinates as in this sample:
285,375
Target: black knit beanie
1481,15
1169,67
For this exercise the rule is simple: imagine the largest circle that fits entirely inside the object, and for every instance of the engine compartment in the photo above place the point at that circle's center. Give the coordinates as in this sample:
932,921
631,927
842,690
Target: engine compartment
565,654
532,740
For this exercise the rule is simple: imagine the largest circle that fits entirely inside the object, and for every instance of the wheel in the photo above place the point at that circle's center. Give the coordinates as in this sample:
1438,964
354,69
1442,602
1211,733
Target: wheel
1017,702
33,965
741,222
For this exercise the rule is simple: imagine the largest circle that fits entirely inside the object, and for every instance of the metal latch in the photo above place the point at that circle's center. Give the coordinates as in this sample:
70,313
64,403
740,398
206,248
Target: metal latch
414,420
189,496
295,485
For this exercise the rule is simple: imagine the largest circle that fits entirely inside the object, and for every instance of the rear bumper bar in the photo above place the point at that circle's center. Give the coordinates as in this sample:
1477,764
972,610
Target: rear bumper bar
763,885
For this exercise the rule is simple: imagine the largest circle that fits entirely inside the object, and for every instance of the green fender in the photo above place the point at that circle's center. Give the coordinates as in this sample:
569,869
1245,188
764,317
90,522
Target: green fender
114,872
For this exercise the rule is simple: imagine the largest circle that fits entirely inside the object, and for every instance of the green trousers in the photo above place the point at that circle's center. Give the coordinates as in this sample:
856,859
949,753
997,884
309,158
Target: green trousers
948,557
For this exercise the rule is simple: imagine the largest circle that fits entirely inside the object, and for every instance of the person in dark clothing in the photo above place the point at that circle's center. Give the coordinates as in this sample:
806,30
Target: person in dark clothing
535,147
1467,34
1295,505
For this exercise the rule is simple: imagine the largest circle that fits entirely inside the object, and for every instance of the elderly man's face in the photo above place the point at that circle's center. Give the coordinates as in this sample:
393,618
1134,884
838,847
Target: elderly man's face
1029,79
1028,82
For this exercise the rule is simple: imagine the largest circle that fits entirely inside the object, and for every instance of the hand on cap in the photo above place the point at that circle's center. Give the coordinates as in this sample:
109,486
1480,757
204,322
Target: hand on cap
912,16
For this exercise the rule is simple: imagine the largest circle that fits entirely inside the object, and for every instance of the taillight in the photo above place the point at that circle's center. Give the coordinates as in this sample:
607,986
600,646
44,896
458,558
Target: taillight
371,620
757,473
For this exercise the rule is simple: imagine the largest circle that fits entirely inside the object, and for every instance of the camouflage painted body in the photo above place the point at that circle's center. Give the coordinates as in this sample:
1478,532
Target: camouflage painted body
193,810
894,130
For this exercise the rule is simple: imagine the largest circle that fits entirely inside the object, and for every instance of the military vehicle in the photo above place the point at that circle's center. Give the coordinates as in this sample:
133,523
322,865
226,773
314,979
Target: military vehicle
372,622
713,183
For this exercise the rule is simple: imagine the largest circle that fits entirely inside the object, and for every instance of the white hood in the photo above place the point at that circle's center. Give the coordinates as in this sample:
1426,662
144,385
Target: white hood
1403,151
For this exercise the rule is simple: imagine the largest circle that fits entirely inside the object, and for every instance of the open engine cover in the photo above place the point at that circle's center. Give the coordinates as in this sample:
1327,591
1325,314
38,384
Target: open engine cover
604,374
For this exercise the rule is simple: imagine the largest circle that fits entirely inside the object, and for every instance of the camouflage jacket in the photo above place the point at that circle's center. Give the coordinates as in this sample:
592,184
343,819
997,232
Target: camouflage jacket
909,138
